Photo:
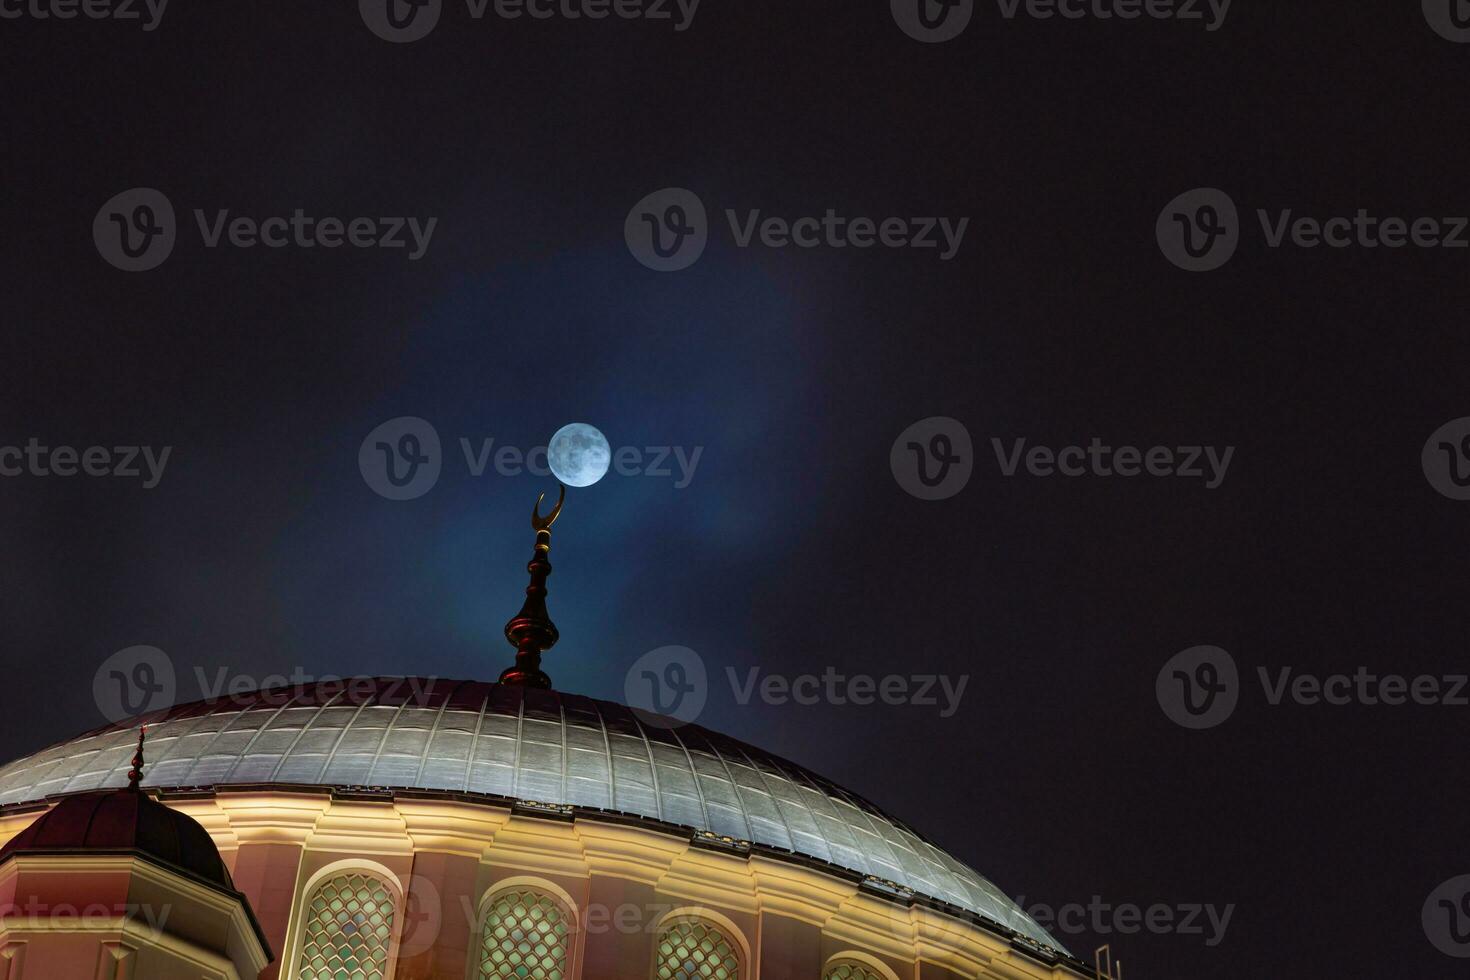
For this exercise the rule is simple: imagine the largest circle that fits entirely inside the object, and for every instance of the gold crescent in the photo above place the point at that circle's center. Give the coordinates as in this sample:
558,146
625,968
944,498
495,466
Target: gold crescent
540,523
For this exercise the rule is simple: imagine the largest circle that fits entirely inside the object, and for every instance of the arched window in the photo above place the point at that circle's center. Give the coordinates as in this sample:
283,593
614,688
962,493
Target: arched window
692,949
524,938
850,970
349,927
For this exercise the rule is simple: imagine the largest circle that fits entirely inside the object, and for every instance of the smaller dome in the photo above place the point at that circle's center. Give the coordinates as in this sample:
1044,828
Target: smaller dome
124,820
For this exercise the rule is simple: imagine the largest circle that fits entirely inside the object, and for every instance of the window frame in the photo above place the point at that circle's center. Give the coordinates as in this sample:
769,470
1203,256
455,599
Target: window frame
865,960
543,889
338,869
707,917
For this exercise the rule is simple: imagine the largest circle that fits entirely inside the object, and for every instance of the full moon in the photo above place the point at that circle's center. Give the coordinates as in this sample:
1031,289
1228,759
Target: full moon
579,455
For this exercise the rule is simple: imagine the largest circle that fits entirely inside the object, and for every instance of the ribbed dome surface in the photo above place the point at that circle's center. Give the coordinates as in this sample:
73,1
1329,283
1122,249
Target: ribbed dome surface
515,743
121,820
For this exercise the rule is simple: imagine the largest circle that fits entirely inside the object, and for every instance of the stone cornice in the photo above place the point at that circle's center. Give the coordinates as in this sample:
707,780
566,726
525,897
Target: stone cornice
711,877
540,845
448,827
361,827
187,890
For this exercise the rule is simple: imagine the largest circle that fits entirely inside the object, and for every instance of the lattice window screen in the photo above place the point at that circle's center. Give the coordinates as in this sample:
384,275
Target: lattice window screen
693,950
524,938
849,970
349,926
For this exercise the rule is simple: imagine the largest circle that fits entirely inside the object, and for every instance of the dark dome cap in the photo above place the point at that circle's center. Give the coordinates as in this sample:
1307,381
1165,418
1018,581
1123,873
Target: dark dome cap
124,820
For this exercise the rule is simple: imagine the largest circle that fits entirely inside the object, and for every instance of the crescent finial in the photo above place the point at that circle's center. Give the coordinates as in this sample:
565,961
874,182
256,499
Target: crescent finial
540,523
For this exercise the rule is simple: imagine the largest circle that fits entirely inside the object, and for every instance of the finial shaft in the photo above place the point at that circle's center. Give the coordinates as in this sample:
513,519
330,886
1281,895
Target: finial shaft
135,775
532,632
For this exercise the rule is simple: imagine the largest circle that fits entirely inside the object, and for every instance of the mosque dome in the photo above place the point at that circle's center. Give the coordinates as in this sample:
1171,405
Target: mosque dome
508,830
503,743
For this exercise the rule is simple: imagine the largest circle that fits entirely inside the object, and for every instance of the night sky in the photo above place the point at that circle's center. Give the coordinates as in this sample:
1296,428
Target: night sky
793,548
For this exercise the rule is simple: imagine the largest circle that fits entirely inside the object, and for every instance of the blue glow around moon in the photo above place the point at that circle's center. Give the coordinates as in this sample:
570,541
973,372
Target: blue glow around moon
579,455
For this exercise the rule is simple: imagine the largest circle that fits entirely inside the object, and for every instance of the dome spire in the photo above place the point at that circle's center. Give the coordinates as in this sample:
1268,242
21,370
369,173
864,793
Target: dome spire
532,631
135,774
